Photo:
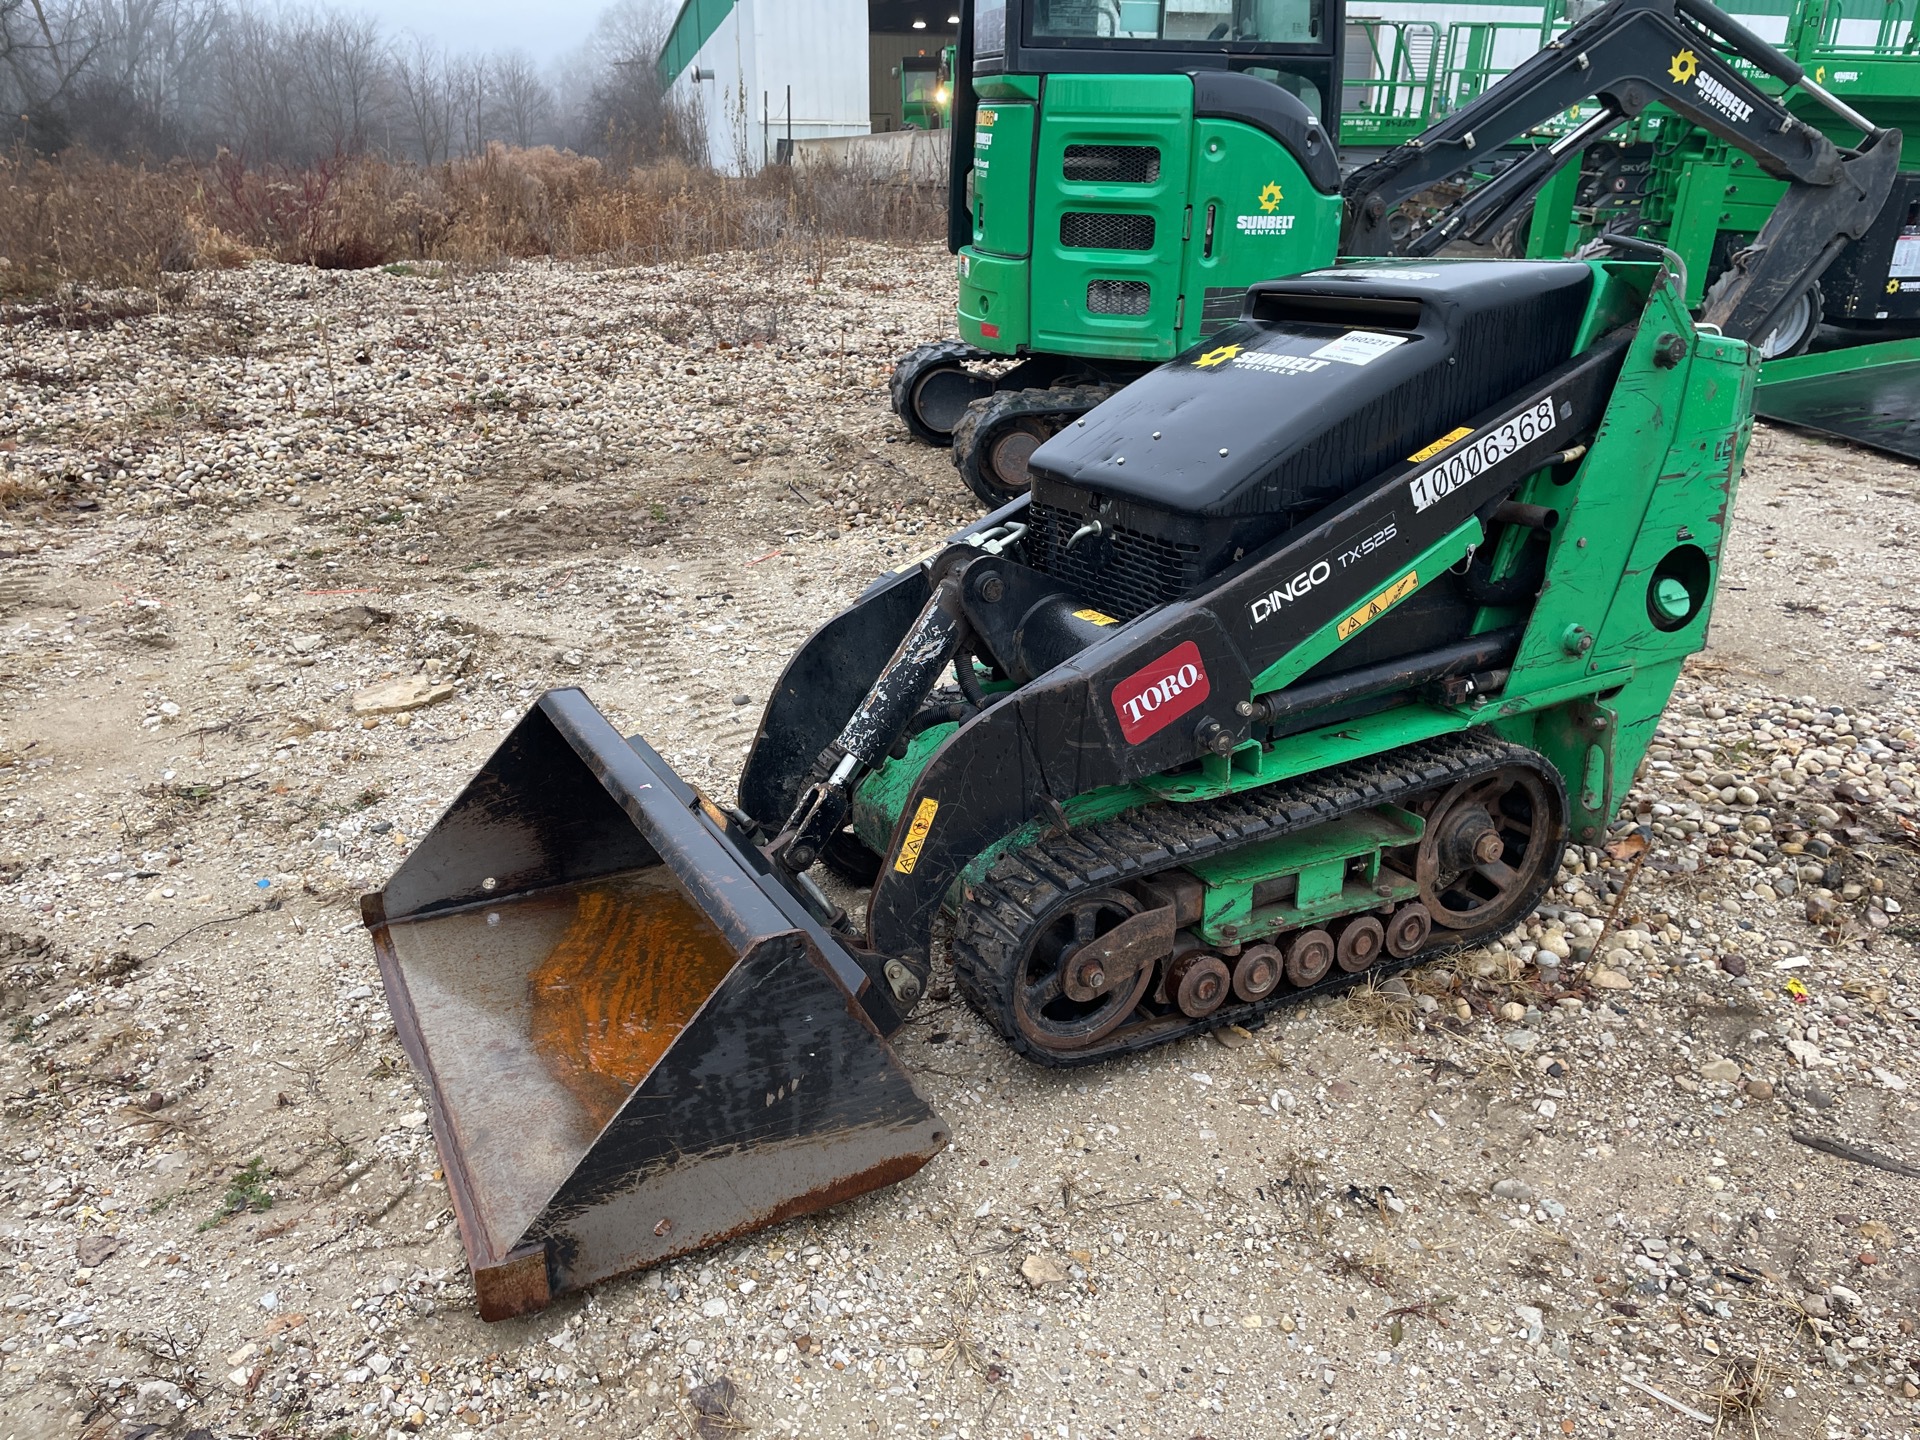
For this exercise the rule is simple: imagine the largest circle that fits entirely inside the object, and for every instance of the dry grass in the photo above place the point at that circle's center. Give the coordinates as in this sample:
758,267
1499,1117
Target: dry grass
77,220
1744,1390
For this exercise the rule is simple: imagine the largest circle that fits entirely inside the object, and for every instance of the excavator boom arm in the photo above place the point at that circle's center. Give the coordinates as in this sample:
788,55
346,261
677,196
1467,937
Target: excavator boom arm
1627,56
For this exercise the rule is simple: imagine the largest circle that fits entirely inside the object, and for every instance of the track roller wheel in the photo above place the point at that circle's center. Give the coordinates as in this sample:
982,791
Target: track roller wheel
1256,974
1362,941
931,388
1199,983
1491,846
1407,931
1310,955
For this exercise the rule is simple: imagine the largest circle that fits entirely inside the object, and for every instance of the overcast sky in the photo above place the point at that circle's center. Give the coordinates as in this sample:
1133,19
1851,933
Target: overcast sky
543,28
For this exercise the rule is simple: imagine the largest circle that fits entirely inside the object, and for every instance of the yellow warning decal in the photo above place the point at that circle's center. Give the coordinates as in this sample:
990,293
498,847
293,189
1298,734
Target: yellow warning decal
1380,604
916,836
1450,438
1094,617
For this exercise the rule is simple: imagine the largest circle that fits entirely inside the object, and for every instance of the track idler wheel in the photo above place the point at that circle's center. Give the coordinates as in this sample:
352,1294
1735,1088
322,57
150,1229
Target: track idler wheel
1407,931
1199,983
1066,999
1256,974
931,388
1310,956
1362,941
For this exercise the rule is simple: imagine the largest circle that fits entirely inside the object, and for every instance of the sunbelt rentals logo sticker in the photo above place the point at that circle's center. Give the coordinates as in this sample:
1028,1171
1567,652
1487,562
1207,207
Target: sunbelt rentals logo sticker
1268,221
1685,70
1242,358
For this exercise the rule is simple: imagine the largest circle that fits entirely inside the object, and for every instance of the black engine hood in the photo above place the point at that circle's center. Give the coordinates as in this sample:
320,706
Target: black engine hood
1324,381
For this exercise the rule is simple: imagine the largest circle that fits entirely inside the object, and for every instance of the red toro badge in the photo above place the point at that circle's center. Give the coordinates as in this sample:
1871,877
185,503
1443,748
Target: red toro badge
1152,698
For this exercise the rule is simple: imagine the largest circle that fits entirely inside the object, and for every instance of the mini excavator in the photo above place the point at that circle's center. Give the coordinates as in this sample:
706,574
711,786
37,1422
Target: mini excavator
1113,194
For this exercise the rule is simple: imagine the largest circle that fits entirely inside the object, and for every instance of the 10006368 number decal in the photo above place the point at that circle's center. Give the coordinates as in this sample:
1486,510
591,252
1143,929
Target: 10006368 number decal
1431,486
1156,695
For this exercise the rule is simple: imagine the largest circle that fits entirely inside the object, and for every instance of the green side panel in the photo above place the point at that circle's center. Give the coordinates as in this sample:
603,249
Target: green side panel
1002,178
1105,252
692,28
1631,479
1682,531
1335,867
993,301
1255,216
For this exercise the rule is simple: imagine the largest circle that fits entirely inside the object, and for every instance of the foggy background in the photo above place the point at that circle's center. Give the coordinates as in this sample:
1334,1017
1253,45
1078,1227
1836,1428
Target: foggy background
424,80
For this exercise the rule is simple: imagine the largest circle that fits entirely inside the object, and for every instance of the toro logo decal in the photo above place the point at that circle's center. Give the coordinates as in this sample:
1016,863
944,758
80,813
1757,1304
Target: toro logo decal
1158,694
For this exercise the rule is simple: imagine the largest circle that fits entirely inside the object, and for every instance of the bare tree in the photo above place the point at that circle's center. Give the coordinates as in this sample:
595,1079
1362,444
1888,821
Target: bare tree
523,104
420,83
469,84
623,110
345,76
258,71
46,51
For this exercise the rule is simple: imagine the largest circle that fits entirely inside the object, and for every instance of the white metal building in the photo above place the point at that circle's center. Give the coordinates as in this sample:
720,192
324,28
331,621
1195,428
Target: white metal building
760,70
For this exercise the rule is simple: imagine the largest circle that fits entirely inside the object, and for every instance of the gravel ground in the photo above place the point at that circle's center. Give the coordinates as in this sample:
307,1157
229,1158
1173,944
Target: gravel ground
1517,1193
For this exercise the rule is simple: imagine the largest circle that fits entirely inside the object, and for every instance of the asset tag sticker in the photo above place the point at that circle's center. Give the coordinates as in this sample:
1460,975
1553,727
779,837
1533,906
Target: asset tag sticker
1431,486
1359,347
1906,257
916,836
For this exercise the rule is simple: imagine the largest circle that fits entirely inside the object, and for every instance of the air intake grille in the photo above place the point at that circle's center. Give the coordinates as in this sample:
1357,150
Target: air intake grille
1118,297
1111,164
1123,572
1096,230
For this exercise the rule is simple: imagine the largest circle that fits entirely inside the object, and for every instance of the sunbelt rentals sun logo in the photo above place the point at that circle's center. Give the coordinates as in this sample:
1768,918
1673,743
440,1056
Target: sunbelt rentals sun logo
1685,70
1268,221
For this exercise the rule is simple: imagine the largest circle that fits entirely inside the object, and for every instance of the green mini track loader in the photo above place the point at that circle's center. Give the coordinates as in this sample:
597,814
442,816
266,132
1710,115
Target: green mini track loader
1304,659
1119,180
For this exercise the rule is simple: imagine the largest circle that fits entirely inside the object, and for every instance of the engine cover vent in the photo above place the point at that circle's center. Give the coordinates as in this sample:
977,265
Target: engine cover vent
1111,164
1122,572
1102,230
1119,297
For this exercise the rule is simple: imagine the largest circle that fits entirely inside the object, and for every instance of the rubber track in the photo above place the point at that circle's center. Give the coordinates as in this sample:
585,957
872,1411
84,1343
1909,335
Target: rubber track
1025,885
910,366
984,416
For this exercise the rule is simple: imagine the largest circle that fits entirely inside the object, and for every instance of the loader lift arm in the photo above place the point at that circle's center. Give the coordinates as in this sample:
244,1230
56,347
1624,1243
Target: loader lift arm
1629,55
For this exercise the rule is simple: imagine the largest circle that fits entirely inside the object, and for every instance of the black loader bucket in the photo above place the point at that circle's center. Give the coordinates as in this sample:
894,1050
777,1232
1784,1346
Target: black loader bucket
636,1041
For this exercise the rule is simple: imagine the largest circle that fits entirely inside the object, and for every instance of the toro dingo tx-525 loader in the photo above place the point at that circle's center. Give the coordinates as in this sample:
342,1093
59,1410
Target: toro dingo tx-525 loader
1305,658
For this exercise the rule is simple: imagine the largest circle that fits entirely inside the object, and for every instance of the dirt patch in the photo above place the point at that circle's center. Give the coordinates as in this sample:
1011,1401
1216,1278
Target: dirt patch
1405,1212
